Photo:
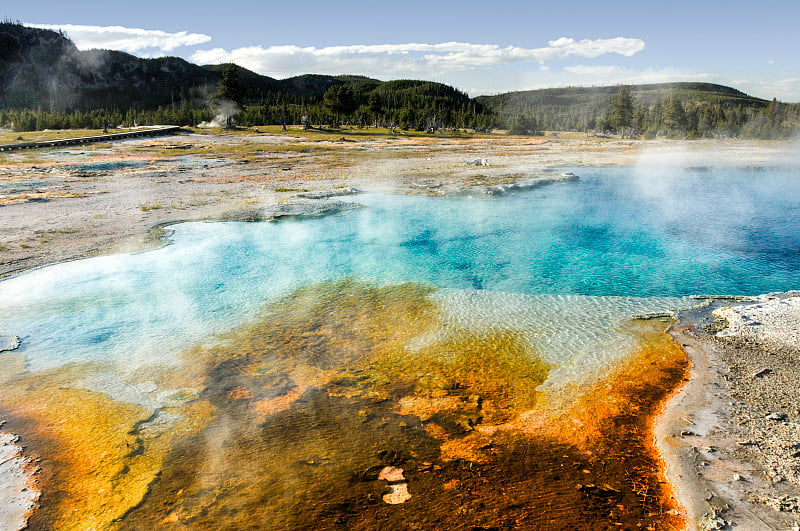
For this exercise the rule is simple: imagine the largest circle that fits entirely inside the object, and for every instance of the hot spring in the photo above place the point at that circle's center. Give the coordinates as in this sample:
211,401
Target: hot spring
497,351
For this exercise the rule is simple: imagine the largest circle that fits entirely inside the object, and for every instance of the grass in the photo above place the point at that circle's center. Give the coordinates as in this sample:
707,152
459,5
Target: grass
347,132
37,136
148,208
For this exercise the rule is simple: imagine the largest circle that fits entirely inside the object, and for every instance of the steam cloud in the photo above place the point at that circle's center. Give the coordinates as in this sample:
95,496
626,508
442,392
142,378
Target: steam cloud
224,112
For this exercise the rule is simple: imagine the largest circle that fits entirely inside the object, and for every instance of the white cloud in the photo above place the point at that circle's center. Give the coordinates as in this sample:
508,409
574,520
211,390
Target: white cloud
786,89
408,59
133,40
614,75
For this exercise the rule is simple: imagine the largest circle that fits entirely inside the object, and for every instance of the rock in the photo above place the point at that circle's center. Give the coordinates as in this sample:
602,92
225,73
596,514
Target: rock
397,488
8,343
777,415
397,494
391,474
762,372
531,184
711,521
329,193
299,208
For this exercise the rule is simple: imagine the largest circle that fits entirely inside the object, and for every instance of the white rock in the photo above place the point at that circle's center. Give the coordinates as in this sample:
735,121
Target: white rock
8,343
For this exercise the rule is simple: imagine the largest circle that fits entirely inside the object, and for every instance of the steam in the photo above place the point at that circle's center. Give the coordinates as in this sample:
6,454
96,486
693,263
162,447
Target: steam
692,189
225,112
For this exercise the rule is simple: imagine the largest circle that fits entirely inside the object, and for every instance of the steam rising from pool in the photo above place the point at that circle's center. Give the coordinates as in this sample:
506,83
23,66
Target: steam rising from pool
648,231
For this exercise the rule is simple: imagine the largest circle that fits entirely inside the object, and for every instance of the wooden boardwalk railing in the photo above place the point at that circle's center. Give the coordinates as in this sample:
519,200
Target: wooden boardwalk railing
157,131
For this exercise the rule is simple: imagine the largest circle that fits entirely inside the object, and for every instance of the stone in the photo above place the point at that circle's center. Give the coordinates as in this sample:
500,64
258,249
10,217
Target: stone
397,488
297,208
8,343
329,193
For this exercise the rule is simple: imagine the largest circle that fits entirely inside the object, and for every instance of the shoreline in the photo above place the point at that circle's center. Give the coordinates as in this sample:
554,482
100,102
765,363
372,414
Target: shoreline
717,466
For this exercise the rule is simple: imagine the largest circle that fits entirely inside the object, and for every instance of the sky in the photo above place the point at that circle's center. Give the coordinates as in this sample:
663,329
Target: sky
479,47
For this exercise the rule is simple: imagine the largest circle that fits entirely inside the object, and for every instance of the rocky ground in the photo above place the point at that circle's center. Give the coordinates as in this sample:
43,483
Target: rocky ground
731,436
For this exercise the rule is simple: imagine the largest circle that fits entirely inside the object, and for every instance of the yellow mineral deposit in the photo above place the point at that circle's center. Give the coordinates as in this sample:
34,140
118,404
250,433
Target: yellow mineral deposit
94,467
318,413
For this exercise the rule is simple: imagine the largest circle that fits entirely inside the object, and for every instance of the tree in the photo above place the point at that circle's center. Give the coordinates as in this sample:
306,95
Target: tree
229,95
375,106
675,117
523,125
622,110
340,100
230,86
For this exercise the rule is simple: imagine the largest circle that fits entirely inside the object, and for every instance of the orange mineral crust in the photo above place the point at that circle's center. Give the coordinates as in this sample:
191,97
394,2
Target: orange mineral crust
351,406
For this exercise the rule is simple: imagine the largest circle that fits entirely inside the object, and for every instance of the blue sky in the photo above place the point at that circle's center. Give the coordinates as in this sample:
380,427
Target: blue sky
480,47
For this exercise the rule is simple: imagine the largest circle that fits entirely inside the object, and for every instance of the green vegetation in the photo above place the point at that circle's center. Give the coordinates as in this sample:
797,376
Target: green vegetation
675,110
622,110
47,83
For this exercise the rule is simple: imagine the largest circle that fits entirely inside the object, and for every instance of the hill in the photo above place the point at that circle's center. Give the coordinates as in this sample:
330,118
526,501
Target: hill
659,109
43,69
558,99
46,82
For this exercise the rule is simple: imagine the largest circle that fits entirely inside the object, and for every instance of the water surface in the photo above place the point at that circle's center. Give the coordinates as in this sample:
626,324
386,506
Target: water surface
268,373
618,232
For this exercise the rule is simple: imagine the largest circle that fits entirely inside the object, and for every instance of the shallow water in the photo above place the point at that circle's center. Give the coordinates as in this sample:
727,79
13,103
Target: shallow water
616,232
413,319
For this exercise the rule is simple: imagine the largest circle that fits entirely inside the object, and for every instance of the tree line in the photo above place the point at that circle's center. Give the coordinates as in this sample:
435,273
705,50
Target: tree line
429,106
402,104
686,116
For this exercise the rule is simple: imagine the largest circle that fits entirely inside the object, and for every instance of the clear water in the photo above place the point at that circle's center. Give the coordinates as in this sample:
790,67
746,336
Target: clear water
645,235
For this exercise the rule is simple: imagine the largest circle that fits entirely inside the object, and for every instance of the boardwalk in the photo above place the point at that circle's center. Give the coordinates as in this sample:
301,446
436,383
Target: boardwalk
169,130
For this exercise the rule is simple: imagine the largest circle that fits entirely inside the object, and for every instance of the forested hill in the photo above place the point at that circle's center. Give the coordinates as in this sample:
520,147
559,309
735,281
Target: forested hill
670,109
587,97
44,69
45,81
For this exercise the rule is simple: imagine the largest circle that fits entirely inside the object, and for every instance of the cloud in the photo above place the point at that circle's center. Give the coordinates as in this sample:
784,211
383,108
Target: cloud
614,75
410,58
786,89
133,40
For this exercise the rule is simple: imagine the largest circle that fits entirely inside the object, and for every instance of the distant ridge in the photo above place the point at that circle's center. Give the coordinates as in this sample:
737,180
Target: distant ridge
511,103
46,82
43,69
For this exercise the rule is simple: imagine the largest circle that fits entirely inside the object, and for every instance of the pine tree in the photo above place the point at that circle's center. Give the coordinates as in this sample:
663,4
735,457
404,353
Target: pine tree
622,110
340,100
230,86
